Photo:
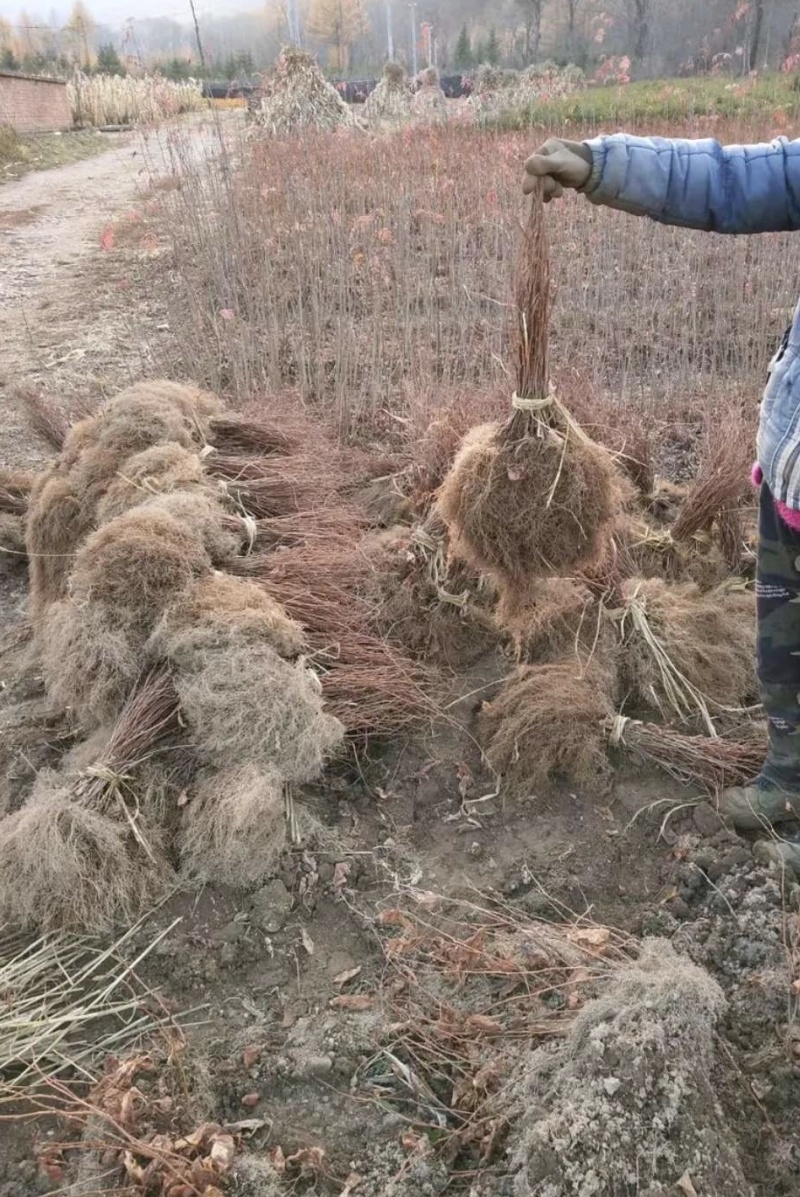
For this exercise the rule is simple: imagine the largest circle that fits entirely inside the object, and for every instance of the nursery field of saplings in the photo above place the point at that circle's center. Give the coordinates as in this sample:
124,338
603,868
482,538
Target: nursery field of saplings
368,686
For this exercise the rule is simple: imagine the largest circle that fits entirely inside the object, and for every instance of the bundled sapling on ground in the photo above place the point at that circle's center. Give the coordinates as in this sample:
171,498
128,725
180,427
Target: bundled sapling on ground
88,848
155,576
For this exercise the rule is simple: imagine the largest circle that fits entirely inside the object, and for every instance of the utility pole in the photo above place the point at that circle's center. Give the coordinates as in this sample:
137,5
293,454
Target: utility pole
389,35
293,21
414,61
197,35
426,36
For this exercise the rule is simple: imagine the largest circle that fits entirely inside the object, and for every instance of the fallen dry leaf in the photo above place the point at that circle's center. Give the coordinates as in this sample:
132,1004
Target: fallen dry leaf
308,942
223,1151
246,1125
595,937
351,1001
308,1159
352,1183
278,1159
133,1168
127,1108
465,779
341,874
199,1137
251,1099
686,1186
349,974
251,1055
395,918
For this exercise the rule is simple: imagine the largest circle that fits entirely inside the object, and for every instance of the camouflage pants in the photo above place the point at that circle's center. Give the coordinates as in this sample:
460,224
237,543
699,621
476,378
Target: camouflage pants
778,607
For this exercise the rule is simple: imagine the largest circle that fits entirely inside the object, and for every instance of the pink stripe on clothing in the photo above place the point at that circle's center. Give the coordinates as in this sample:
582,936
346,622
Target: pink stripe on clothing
789,515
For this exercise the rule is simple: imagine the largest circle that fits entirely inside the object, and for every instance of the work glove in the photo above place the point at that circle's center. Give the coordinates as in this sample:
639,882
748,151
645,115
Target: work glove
558,164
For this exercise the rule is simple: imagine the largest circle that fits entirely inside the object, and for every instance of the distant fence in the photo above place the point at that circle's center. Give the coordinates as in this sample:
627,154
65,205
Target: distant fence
31,104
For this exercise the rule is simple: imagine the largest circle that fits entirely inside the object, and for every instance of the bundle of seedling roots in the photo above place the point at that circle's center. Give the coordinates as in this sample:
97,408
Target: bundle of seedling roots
611,612
214,620
203,621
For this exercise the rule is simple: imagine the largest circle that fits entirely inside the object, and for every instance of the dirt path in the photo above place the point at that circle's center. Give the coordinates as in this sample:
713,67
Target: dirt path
60,324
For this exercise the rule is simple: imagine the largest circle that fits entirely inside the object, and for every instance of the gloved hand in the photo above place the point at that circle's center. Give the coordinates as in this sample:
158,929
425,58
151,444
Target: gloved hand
558,164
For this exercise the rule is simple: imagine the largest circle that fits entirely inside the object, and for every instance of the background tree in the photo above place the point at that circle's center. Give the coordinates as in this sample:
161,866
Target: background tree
8,57
532,11
492,51
109,61
81,27
338,24
462,54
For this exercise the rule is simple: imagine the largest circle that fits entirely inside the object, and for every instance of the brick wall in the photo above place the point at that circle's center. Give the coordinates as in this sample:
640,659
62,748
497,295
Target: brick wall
32,105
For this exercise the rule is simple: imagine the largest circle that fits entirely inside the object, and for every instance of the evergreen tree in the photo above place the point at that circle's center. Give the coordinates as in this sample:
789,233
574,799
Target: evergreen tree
462,55
109,61
493,47
8,60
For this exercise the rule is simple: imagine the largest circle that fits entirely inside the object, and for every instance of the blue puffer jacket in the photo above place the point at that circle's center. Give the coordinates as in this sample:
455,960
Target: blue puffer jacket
723,189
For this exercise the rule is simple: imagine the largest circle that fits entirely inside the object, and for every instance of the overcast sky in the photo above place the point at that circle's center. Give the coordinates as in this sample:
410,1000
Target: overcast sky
114,12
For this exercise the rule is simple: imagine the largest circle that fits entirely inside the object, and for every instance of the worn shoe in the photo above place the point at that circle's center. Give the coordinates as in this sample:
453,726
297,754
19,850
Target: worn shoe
783,852
755,806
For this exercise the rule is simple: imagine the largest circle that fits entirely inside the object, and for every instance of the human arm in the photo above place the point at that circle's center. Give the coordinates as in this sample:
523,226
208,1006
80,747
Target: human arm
697,184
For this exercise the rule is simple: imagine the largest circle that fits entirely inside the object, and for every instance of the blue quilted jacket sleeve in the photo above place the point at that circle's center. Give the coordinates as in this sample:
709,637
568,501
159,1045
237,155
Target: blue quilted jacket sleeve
699,184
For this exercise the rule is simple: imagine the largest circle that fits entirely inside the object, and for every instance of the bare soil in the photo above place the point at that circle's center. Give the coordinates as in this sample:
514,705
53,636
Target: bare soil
78,316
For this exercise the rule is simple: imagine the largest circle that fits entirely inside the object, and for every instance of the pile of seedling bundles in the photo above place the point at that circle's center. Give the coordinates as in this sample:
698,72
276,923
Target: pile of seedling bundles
201,619
297,97
599,604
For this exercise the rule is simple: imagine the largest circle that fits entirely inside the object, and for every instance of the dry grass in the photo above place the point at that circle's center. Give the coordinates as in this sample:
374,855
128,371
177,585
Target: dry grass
722,480
13,550
467,984
564,620
374,273
68,1002
137,564
99,100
